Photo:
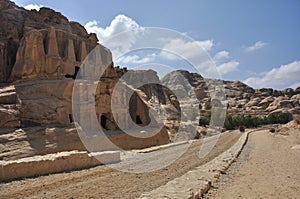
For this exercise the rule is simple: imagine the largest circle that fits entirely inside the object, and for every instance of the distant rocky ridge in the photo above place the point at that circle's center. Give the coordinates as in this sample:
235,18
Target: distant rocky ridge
241,98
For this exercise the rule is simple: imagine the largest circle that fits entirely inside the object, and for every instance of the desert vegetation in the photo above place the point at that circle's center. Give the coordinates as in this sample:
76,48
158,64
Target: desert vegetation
249,121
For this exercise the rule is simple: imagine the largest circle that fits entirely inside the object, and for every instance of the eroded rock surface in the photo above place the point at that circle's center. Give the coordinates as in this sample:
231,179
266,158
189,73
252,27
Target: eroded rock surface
239,96
42,54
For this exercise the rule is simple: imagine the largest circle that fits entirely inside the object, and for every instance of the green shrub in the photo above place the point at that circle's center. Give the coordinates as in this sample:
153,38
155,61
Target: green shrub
229,123
272,130
279,118
207,114
249,121
203,121
238,120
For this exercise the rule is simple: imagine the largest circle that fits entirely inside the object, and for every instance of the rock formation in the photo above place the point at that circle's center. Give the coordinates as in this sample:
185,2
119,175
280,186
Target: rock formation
39,44
40,49
239,96
42,54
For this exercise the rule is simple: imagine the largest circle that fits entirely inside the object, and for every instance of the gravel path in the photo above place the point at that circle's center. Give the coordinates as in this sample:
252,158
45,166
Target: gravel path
104,182
268,167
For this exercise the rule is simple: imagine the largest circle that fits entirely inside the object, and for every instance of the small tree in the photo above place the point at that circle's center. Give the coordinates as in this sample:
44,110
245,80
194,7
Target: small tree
229,123
238,120
203,121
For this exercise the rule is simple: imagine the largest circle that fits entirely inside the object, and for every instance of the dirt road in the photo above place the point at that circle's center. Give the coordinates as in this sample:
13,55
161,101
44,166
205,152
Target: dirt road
268,167
104,182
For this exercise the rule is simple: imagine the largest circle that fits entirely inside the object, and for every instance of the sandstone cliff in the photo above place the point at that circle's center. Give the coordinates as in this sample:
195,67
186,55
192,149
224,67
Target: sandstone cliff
42,53
39,44
38,50
37,47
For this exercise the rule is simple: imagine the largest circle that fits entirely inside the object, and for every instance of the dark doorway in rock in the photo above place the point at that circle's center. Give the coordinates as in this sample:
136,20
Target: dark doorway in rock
12,48
138,119
103,121
73,76
70,118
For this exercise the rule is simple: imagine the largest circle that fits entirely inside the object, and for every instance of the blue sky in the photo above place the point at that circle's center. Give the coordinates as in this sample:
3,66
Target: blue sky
256,41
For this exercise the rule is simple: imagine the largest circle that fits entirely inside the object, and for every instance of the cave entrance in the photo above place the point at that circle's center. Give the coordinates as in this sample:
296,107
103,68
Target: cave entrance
71,118
138,120
103,121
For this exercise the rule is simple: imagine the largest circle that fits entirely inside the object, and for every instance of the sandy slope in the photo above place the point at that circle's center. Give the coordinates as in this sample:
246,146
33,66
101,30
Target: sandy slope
267,168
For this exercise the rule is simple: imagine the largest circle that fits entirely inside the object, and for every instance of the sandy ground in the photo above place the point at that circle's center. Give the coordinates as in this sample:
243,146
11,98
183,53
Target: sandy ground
268,167
104,182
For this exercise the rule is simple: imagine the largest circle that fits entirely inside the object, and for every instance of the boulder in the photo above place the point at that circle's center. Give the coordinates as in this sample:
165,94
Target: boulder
288,92
9,118
253,102
266,102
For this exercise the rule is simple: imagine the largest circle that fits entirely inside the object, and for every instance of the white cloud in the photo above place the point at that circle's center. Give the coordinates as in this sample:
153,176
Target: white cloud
131,39
282,77
125,47
33,7
256,46
186,49
228,67
225,67
120,23
135,59
118,43
221,55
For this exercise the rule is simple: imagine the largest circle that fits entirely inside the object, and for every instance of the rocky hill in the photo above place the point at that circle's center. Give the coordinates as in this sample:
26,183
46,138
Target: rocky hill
241,98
